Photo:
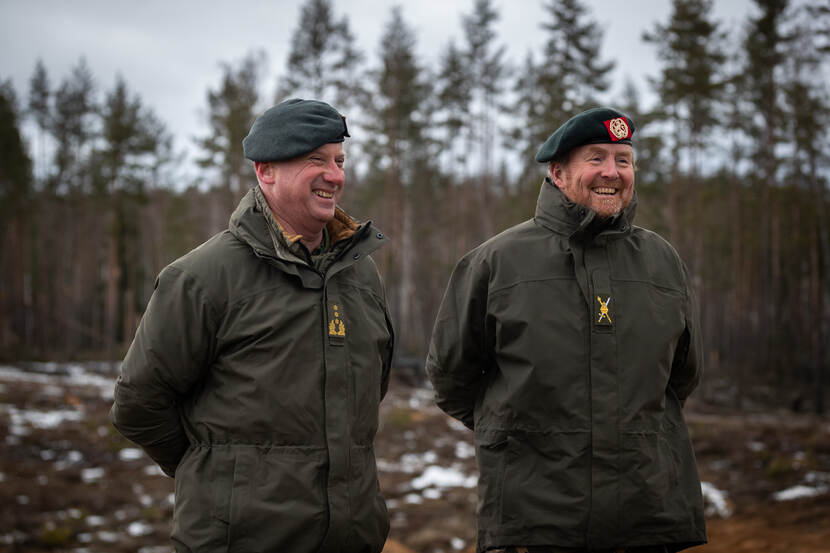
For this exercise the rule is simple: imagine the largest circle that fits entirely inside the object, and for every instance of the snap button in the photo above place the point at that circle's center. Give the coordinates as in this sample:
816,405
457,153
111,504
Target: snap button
356,256
380,235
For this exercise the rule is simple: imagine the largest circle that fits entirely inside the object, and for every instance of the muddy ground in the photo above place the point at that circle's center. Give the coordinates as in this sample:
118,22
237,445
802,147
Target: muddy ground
69,482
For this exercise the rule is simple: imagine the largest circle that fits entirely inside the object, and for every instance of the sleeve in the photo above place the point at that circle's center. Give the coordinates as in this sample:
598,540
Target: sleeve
172,348
459,352
687,366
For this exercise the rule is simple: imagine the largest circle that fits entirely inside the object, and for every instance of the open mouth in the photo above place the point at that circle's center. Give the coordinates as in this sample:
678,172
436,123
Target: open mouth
604,191
324,194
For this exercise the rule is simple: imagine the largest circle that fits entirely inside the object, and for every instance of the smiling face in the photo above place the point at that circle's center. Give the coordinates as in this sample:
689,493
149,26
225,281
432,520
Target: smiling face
598,176
302,192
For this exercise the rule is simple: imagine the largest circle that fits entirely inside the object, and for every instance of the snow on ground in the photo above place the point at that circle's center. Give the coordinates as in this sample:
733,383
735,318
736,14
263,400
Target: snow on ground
799,491
52,375
715,501
23,420
441,477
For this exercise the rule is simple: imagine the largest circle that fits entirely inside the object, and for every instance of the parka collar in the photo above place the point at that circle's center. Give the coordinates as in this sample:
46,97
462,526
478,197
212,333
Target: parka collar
561,215
248,224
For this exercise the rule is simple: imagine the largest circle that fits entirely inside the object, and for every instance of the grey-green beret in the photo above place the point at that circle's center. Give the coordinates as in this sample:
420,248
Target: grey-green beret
292,128
595,126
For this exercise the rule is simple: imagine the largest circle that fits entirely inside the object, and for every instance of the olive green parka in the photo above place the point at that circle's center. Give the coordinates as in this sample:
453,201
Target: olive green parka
255,381
569,346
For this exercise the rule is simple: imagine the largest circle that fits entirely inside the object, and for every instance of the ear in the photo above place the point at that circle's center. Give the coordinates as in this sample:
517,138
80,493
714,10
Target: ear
264,172
555,169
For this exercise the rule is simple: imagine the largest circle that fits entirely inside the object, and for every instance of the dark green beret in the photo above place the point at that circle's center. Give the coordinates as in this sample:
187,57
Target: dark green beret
595,126
292,128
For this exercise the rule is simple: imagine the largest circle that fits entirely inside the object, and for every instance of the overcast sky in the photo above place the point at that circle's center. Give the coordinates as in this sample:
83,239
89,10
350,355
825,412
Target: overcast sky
169,51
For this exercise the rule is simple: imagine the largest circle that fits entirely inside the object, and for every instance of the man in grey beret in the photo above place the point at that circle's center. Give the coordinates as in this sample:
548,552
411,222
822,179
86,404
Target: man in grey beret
569,344
255,376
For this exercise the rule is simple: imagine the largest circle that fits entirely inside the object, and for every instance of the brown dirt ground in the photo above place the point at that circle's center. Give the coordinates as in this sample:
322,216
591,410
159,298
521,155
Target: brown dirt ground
50,501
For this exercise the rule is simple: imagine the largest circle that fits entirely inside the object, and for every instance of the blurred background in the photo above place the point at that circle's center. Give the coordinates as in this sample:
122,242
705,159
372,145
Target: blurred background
120,149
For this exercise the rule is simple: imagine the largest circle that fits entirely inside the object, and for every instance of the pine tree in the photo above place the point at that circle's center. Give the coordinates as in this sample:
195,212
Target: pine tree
324,62
15,212
400,162
764,45
40,97
571,68
453,97
231,112
690,47
807,101
486,72
73,128
126,158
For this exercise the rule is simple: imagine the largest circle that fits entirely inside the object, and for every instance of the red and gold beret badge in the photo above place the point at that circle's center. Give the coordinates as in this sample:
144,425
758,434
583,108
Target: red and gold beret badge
618,128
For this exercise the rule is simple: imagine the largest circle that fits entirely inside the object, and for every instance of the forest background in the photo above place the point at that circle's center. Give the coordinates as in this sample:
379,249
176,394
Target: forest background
733,158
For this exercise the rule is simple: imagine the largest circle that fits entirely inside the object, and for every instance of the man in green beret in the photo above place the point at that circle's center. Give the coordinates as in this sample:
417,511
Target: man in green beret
569,344
255,375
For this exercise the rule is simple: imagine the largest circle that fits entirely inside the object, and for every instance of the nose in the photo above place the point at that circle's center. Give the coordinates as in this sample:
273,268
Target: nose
334,174
609,169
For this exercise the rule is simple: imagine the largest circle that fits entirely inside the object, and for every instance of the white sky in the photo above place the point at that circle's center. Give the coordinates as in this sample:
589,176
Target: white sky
169,51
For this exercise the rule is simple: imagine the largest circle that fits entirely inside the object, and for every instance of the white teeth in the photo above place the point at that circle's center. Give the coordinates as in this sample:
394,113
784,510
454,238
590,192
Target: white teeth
324,194
605,190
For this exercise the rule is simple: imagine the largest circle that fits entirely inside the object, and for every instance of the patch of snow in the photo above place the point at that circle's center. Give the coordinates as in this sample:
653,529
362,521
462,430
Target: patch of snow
431,493
107,536
153,470
457,543
456,425
23,418
409,462
72,458
444,478
52,391
716,501
171,498
798,492
463,450
413,498
93,474
47,454
57,374
94,520
812,477
139,528
85,537
130,454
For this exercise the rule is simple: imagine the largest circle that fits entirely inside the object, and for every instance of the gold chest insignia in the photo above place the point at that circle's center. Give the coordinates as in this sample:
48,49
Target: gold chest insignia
604,312
336,325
